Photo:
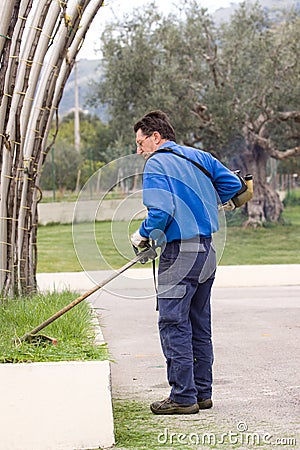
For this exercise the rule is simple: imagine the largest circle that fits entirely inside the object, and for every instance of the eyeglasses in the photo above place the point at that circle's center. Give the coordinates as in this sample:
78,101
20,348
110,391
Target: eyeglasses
140,143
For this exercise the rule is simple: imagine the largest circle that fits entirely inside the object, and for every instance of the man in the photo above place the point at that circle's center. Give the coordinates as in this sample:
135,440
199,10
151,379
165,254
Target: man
182,215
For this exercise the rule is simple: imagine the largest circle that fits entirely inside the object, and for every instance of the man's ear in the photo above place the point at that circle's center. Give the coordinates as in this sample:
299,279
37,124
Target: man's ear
157,137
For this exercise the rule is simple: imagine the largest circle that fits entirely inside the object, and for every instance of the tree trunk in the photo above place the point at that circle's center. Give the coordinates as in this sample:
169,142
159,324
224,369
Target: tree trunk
266,204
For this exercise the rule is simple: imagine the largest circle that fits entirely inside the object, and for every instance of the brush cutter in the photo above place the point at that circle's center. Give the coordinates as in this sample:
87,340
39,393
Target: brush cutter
32,337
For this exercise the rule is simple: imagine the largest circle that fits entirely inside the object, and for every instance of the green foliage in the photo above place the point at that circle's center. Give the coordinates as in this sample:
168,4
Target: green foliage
292,198
74,330
259,60
231,90
60,169
146,63
290,166
88,168
209,80
96,146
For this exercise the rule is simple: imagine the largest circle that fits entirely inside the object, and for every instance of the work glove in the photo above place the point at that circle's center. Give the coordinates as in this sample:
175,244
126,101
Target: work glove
228,206
138,241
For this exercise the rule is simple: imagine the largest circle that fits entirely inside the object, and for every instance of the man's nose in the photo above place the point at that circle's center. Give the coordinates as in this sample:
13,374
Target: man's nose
139,150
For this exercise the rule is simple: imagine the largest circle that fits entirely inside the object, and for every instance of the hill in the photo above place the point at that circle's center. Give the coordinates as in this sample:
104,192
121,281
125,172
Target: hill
271,6
88,70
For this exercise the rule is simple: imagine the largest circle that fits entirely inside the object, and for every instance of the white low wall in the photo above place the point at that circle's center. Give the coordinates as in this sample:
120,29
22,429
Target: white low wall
91,210
56,406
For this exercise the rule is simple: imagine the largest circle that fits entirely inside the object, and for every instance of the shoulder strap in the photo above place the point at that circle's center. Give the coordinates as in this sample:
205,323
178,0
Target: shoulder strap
170,150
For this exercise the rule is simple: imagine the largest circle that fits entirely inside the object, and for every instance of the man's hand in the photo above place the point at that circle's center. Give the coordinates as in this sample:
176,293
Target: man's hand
228,206
137,240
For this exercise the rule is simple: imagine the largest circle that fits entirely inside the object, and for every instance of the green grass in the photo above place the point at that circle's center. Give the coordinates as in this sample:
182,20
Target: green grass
100,246
70,196
56,250
136,428
291,215
107,246
292,198
74,330
272,244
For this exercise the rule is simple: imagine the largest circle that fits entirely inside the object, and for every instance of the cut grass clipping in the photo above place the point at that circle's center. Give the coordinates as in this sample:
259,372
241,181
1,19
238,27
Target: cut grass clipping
74,331
136,428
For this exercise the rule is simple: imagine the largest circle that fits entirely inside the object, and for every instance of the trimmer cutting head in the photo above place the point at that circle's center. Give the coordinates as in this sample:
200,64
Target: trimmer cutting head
37,339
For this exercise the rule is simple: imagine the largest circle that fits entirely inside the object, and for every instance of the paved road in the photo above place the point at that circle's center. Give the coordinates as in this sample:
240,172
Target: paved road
256,340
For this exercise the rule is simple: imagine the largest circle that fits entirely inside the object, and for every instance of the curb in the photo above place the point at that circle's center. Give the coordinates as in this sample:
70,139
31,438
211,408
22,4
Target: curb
57,405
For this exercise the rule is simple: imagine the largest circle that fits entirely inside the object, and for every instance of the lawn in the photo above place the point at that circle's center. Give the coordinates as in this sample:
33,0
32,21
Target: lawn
273,244
106,245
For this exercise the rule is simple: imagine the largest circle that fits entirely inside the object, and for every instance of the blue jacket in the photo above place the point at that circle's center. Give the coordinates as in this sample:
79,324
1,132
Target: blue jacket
182,201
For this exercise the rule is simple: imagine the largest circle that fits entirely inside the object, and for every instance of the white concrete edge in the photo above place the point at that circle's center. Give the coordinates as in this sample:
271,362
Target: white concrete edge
258,275
226,276
56,406
74,398
99,338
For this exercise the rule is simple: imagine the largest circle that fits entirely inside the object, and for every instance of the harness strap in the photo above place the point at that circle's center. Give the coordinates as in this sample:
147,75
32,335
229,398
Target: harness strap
170,150
155,283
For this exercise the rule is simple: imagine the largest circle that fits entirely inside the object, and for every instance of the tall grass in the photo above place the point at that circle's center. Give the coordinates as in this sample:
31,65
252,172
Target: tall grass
74,330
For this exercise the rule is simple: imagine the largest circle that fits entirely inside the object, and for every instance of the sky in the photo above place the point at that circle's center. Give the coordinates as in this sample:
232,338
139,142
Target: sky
116,8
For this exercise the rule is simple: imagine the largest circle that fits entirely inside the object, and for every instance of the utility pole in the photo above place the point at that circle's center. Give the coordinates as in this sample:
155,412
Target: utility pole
76,111
76,122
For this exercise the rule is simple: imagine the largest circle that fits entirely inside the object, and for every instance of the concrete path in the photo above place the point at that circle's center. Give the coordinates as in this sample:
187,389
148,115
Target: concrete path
256,341
256,333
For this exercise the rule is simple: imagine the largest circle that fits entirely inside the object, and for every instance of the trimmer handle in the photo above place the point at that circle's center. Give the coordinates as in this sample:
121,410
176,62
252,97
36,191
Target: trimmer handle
148,253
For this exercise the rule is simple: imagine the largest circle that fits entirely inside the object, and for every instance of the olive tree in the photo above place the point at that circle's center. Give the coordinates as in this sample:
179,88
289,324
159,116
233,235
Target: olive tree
257,68
232,90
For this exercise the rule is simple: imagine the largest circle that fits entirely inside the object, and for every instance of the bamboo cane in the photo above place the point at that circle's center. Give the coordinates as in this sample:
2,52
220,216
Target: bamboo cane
46,37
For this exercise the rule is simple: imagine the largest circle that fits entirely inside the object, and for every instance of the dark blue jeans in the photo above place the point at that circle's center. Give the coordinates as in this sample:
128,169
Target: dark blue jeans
185,278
